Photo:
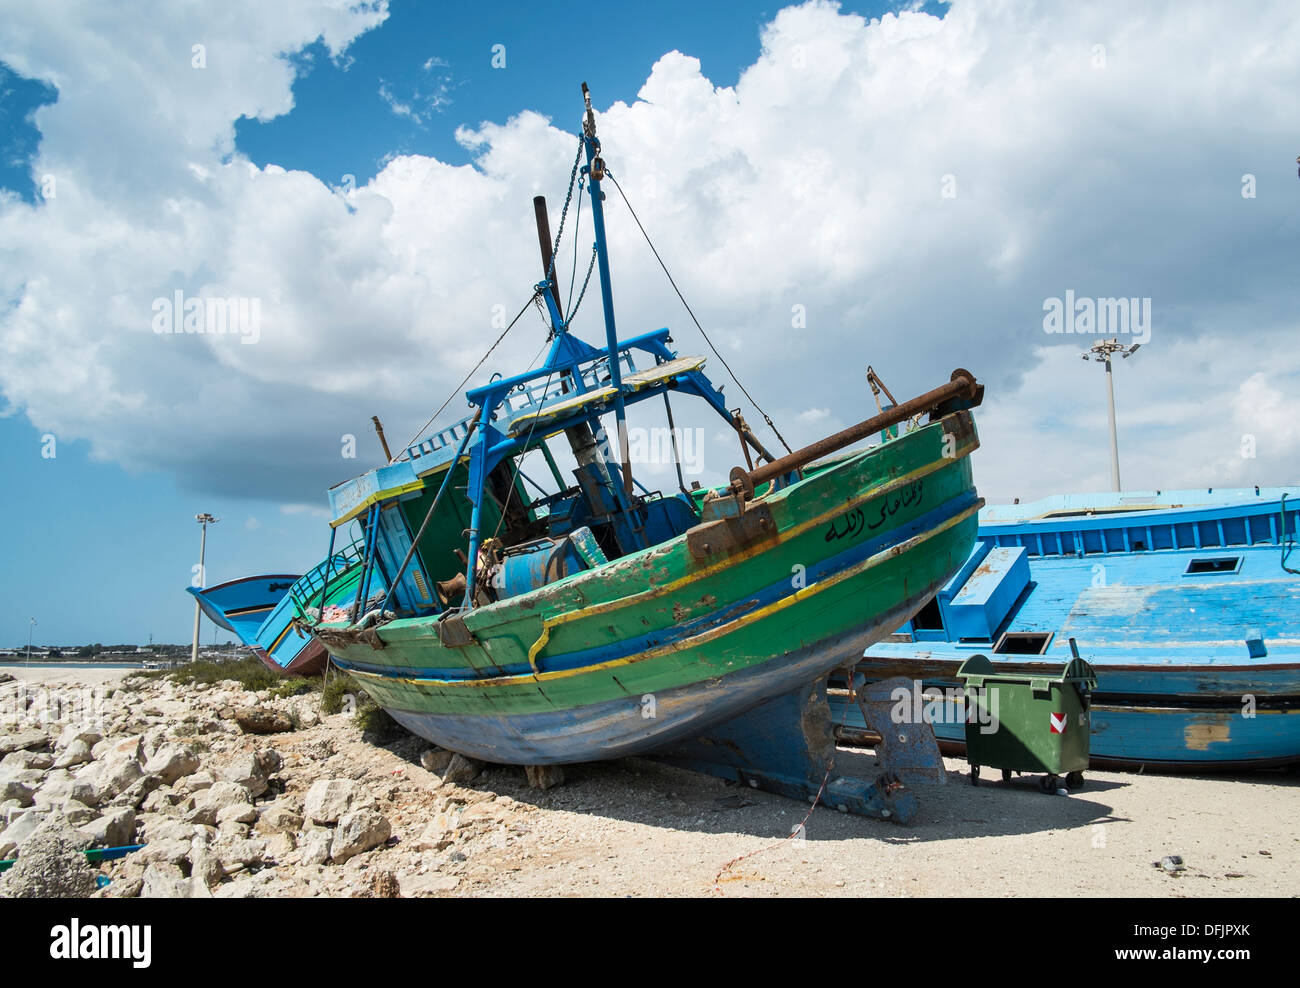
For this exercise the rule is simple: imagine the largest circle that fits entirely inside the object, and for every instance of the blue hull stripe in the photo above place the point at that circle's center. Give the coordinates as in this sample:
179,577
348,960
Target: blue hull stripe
689,629
618,728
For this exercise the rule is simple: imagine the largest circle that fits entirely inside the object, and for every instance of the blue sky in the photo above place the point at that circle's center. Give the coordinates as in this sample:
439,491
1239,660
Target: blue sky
100,553
341,125
805,159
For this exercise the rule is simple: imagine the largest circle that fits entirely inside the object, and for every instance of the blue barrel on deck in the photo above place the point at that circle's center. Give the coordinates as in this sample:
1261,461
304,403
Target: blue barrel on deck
534,564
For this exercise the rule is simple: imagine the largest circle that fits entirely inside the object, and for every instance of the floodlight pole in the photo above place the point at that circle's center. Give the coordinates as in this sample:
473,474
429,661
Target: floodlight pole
1102,351
205,520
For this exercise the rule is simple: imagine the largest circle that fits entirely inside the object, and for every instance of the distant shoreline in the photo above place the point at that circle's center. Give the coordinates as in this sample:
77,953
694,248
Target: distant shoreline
70,664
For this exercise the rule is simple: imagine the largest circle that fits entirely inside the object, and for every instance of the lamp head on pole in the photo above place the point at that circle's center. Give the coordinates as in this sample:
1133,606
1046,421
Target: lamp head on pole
1103,350
206,519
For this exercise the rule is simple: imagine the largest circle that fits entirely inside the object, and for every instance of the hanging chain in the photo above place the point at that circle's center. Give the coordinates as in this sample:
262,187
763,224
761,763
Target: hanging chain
573,177
585,281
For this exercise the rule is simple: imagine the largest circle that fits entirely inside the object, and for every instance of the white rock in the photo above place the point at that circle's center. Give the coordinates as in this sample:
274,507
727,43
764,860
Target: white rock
172,762
328,800
278,818
202,779
209,802
88,772
77,814
126,750
249,769
170,851
462,769
137,792
236,813
315,847
160,828
279,845
54,791
205,865
79,732
19,760
23,740
117,776
305,711
164,880
83,791
116,828
235,855
19,792
435,760
357,832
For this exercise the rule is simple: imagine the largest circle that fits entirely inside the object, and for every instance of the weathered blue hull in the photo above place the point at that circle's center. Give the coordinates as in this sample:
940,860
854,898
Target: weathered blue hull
1131,731
1184,603
259,611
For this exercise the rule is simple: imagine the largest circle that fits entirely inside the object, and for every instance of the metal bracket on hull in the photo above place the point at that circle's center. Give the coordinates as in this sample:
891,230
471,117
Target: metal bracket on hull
452,631
786,746
371,637
722,533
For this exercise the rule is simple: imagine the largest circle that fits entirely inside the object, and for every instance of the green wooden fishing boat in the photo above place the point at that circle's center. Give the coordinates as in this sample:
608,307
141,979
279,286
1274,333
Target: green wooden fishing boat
521,624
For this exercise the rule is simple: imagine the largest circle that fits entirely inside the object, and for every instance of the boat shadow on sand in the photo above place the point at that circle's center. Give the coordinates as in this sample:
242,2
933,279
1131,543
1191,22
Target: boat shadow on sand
654,794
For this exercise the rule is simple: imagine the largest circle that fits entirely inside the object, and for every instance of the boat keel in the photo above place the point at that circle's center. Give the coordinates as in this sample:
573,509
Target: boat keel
786,746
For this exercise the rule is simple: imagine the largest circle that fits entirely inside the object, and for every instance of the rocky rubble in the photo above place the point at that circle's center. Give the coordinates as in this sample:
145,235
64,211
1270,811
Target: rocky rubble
237,794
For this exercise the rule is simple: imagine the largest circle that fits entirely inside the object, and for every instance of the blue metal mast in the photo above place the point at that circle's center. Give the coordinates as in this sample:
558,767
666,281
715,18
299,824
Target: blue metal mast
595,171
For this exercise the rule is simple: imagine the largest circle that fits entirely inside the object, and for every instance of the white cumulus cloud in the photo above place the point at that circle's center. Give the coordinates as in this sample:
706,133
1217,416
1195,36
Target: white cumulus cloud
905,192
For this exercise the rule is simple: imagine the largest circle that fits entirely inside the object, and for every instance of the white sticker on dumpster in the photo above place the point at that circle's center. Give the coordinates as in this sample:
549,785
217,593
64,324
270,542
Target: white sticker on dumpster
1058,723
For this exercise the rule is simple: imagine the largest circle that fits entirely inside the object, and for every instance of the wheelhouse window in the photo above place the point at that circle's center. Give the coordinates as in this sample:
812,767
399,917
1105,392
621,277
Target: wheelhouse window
1213,564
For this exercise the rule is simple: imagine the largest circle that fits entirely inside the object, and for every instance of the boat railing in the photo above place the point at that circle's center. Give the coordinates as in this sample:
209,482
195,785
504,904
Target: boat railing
1207,528
307,588
440,439
529,396
526,396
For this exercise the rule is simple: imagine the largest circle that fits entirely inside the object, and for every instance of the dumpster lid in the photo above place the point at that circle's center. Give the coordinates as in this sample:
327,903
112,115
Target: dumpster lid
979,669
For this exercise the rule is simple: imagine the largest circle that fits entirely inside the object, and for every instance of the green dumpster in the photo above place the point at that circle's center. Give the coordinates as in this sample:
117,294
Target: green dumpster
1022,721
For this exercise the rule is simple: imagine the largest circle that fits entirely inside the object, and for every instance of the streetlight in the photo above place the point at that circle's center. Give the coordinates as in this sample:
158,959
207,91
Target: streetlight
1102,351
205,520
31,623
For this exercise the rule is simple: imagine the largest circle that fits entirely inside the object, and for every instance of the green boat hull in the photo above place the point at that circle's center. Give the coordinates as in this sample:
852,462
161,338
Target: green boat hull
660,645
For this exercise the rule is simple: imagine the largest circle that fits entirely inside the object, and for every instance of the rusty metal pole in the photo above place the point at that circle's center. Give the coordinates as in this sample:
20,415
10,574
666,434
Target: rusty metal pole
544,241
379,431
962,385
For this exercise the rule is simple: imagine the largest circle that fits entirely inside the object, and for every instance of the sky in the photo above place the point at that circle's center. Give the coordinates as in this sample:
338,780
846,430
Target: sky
915,188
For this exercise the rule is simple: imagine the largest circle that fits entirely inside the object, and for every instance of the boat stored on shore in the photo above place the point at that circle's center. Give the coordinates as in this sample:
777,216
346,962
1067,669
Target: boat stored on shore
604,619
1185,602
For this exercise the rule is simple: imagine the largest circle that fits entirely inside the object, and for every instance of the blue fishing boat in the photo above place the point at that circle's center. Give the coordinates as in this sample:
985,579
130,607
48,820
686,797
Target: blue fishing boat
266,612
1186,603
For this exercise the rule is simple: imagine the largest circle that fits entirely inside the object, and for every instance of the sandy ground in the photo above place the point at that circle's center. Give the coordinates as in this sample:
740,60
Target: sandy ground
638,827
39,674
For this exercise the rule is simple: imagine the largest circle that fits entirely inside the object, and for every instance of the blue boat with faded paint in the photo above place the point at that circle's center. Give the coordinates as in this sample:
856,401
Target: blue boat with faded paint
1187,604
268,613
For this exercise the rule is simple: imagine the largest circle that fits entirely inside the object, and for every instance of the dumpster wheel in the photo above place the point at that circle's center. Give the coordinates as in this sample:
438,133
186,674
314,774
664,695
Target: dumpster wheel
1048,783
1074,780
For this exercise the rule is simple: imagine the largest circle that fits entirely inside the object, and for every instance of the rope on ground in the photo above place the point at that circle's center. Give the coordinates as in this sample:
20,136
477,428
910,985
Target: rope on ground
830,767
717,879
